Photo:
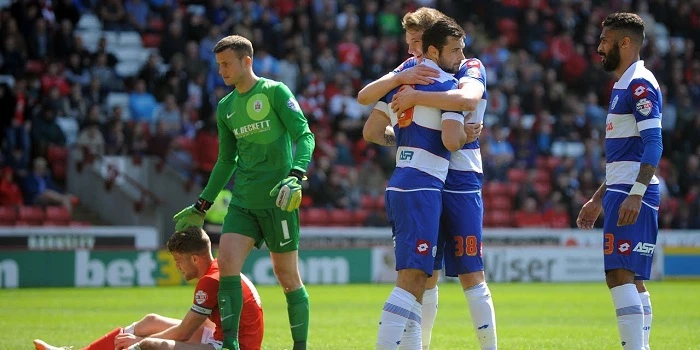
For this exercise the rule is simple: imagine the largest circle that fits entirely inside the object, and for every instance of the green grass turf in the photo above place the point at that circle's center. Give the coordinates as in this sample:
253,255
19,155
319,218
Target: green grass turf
529,316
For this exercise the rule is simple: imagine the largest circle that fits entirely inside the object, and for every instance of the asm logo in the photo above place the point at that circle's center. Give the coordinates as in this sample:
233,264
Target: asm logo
609,126
406,155
644,248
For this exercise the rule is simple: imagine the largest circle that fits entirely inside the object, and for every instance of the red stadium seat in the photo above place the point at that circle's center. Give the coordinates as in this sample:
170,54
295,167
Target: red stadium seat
379,203
492,189
524,219
79,224
543,189
499,218
553,162
542,176
151,40
499,203
340,217
31,215
8,216
367,202
317,217
359,217
58,214
556,219
307,201
517,175
56,154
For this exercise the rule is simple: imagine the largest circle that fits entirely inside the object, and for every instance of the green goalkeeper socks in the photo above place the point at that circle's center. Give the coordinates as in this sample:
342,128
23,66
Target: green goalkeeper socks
298,311
230,306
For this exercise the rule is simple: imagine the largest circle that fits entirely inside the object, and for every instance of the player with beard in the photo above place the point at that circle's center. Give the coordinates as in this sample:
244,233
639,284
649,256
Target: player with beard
425,137
630,195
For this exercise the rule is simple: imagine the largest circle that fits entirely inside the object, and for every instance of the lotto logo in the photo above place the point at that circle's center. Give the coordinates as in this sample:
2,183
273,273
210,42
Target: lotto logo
640,91
422,247
624,246
609,126
644,248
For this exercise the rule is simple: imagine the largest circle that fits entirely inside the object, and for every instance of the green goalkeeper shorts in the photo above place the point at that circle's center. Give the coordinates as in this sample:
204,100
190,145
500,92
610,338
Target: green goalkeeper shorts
279,229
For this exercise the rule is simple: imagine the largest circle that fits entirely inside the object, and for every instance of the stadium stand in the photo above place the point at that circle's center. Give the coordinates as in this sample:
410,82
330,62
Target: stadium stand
542,145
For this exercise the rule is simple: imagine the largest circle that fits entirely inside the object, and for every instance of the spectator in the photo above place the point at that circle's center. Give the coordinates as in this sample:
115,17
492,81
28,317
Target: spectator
137,14
10,194
112,14
141,103
169,115
206,151
91,139
75,73
46,132
159,142
39,189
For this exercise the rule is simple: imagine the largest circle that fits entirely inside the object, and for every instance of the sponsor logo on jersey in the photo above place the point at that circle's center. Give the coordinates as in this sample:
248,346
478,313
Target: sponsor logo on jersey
474,72
250,129
639,90
200,297
624,247
644,107
609,126
473,63
293,104
646,249
406,155
614,102
422,247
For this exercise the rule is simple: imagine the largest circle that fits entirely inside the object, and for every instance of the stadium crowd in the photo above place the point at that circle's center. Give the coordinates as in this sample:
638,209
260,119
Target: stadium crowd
544,133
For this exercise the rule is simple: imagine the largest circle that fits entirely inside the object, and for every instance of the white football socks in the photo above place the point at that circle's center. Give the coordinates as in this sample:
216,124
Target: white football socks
428,314
398,310
411,338
646,307
483,315
630,317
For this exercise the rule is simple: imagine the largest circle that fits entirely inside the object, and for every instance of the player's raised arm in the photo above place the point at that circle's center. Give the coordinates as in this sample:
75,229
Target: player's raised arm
377,128
472,85
375,90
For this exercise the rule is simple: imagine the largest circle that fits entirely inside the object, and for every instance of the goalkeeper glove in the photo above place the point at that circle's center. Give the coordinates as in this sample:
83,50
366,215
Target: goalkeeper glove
192,216
288,191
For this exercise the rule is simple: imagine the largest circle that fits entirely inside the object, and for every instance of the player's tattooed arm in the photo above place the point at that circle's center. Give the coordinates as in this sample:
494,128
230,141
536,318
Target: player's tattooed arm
646,172
389,138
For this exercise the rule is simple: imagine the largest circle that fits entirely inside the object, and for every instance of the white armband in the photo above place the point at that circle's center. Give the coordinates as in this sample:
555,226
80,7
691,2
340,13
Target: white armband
638,189
459,117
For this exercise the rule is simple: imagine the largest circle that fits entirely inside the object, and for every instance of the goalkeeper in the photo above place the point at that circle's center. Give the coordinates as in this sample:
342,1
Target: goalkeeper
258,122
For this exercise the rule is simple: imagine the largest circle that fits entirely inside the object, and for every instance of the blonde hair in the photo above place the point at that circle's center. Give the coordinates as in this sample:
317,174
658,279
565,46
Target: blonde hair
421,19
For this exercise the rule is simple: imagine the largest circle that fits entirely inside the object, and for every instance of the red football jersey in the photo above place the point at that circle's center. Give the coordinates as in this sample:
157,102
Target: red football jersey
206,302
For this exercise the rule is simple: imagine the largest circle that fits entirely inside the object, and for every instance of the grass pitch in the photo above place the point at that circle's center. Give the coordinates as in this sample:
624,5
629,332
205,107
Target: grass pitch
529,316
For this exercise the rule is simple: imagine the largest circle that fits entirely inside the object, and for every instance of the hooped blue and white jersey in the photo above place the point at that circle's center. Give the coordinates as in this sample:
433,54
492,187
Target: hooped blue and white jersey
466,167
466,172
635,107
422,160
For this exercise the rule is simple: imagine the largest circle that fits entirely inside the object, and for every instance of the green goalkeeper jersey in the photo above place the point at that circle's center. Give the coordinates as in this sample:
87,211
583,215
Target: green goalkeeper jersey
256,132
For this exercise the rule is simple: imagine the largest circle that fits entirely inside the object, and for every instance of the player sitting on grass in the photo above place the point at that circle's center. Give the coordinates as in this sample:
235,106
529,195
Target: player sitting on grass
201,327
